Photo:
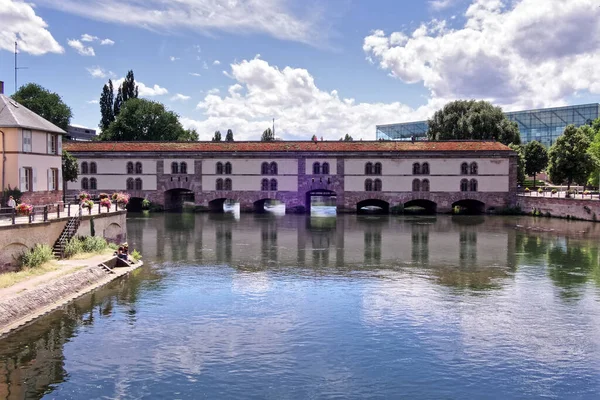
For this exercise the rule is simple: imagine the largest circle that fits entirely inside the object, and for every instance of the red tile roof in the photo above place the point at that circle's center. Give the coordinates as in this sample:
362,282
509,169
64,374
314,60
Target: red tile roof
284,146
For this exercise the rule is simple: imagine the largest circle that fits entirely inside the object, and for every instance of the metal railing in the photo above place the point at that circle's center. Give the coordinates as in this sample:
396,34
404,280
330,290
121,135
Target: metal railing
44,213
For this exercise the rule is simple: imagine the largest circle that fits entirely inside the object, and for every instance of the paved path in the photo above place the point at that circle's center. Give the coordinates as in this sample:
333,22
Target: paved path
6,220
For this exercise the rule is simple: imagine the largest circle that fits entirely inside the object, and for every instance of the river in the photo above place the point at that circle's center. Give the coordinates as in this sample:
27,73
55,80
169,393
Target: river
354,307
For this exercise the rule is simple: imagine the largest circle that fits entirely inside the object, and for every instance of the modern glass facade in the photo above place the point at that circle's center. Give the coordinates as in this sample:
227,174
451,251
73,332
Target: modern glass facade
543,125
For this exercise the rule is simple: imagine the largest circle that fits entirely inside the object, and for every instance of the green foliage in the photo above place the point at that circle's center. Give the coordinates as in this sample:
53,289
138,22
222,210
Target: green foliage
536,158
118,104
113,246
347,138
594,151
509,211
73,246
135,255
142,119
229,136
146,204
267,136
472,120
217,136
34,258
14,192
46,104
94,244
540,190
569,159
70,167
128,88
107,106
517,148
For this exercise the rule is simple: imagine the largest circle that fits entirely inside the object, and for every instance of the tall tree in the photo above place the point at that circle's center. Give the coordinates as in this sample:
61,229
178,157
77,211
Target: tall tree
45,103
594,151
472,120
229,136
70,170
517,148
267,135
118,102
536,158
107,105
569,159
128,88
217,136
142,119
348,138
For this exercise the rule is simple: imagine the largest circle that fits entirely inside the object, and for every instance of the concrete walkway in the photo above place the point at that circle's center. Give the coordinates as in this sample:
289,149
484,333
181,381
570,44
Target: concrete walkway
6,219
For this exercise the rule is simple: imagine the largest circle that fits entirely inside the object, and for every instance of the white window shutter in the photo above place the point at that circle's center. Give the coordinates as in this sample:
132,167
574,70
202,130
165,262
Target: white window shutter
49,179
60,180
59,144
22,179
34,184
49,143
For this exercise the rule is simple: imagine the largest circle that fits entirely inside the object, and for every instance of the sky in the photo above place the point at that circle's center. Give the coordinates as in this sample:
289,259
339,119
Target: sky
317,67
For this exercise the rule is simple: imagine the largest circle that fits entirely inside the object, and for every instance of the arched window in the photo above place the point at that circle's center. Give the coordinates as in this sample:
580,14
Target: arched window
264,168
473,185
227,185
316,168
473,168
425,185
93,168
84,167
369,168
85,183
264,185
377,169
138,184
219,170
274,172
425,169
138,167
183,168
174,168
325,168
464,185
274,183
416,187
219,184
368,185
130,184
377,185
416,169
228,168
130,167
93,184
464,169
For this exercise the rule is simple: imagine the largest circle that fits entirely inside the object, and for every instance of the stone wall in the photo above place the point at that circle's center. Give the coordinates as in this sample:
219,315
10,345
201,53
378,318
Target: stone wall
42,198
15,239
559,207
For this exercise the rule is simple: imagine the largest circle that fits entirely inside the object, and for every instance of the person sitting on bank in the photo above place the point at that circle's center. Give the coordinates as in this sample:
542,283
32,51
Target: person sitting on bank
121,254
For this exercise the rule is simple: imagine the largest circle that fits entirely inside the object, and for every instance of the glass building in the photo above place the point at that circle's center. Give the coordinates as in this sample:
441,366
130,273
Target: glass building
543,125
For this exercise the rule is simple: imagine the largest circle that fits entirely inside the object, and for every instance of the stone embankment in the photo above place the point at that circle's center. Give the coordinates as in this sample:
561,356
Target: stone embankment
26,301
585,209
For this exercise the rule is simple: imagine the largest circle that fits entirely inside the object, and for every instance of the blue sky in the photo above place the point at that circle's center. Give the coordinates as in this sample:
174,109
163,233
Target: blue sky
326,69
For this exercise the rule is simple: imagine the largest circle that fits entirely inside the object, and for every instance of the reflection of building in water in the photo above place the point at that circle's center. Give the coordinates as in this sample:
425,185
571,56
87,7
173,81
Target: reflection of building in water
268,244
420,244
223,241
468,248
372,246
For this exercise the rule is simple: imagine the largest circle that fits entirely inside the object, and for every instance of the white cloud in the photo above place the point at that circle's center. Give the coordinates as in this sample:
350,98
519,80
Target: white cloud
92,102
88,38
300,108
19,21
204,65
195,74
271,17
173,58
97,72
180,97
143,90
439,5
107,42
216,62
80,48
526,53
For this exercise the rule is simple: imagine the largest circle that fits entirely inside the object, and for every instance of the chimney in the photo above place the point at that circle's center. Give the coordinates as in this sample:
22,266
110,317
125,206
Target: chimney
1,87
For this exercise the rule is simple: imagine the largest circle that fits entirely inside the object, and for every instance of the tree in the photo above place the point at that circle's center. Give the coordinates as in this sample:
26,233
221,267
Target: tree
128,88
594,151
348,138
46,104
536,158
70,170
118,102
267,136
229,136
568,158
217,136
142,119
472,120
517,148
107,105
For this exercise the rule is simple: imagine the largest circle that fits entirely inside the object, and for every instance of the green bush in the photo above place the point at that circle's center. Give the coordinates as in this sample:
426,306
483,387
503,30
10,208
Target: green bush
73,246
509,211
113,246
94,244
146,204
34,258
135,255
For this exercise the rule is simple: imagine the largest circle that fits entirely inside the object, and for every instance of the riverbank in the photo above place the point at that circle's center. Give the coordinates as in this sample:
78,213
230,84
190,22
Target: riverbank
32,298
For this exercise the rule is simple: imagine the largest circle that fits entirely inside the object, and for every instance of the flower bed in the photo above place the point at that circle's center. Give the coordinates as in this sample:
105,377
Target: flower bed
24,209
84,196
105,202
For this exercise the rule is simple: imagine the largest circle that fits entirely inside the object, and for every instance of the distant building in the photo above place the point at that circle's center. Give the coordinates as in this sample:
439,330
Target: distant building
543,125
80,133
32,153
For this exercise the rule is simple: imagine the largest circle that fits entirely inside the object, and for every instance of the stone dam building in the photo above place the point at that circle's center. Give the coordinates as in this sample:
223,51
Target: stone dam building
434,175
